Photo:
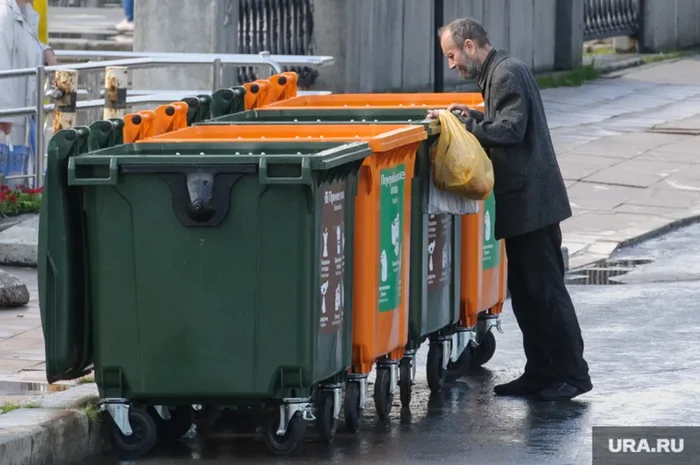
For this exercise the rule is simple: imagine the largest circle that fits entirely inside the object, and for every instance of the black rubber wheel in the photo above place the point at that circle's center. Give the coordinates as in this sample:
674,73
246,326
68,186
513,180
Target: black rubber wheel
292,443
383,395
405,381
435,372
180,422
325,423
351,407
459,368
206,417
143,437
484,351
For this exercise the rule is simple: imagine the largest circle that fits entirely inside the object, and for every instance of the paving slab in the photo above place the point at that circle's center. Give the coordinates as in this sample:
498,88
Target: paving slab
637,173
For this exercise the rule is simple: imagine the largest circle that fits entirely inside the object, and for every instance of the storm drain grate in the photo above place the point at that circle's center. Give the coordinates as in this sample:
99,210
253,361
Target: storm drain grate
604,273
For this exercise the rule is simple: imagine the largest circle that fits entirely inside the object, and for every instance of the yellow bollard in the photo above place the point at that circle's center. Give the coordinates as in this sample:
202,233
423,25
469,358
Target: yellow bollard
41,7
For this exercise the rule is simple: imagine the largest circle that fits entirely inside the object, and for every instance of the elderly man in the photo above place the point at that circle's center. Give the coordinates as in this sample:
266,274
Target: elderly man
531,201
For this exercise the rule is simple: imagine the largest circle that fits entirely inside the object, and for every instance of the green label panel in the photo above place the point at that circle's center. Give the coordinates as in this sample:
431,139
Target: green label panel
391,200
492,247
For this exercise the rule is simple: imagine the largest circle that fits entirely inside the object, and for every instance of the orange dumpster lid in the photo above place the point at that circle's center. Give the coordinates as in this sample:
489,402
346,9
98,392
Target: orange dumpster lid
428,101
380,137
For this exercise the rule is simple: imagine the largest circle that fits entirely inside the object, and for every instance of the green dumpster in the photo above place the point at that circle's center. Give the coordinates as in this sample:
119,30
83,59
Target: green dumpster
192,274
434,297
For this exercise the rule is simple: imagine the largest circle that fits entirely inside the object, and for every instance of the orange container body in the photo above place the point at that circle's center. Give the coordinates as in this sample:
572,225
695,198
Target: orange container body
429,101
382,222
484,265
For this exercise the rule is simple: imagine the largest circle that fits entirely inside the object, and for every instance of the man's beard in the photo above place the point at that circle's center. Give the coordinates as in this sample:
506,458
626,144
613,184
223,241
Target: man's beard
471,70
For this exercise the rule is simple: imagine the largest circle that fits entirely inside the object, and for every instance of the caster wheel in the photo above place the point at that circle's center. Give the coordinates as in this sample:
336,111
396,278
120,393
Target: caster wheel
143,437
292,442
206,417
325,423
405,381
460,368
383,395
180,422
484,352
352,410
435,371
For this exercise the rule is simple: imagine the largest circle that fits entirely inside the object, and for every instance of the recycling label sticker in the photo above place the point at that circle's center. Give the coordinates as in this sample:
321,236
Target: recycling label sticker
492,247
333,257
391,221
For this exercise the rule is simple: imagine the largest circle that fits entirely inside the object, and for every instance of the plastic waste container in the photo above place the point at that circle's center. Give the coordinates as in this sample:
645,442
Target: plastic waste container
483,289
434,297
201,274
382,241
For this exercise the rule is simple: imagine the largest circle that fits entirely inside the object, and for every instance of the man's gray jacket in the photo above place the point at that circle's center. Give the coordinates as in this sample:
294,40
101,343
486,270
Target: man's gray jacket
529,189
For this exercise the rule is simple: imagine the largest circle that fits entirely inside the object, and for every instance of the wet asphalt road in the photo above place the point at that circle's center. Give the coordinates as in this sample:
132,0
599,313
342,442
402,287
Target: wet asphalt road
642,346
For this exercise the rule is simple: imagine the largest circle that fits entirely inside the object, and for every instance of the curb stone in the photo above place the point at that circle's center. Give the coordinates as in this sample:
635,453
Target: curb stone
47,436
58,432
654,233
19,244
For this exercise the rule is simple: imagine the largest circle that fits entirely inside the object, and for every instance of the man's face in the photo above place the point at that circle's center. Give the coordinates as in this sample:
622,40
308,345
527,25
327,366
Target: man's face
464,58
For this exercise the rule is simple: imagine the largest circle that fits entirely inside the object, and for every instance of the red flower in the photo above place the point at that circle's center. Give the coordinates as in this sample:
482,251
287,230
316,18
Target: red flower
28,190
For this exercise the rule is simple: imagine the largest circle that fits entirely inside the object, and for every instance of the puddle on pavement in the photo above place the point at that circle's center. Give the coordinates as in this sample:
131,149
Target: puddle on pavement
25,388
605,273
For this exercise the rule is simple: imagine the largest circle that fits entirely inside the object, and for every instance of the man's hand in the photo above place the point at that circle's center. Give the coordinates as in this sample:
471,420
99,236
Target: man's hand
50,58
6,128
463,109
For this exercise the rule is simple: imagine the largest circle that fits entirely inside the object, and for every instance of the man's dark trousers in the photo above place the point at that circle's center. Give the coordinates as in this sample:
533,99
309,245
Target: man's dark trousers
544,310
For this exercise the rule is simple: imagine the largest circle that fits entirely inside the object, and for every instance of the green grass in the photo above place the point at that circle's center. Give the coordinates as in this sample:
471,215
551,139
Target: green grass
600,51
8,407
92,412
667,56
87,380
577,77
573,78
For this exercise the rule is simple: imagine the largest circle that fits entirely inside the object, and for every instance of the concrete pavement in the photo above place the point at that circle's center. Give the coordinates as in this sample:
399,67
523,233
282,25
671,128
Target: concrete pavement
629,150
641,376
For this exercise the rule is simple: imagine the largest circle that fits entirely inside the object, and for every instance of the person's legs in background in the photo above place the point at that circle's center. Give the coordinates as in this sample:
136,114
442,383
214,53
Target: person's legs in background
128,23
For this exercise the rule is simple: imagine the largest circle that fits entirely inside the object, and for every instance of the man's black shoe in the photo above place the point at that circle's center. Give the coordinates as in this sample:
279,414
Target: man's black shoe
523,386
562,391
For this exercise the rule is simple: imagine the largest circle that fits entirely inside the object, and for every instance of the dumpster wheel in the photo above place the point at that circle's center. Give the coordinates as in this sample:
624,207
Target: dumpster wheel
405,381
460,367
353,407
326,422
292,442
485,350
175,427
383,394
142,439
436,372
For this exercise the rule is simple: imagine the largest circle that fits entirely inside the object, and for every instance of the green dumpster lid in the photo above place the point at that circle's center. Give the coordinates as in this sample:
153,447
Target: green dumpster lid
321,155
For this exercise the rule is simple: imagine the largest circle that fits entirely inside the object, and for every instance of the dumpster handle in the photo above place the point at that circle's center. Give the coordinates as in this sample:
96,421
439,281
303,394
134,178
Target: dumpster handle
92,178
201,194
304,178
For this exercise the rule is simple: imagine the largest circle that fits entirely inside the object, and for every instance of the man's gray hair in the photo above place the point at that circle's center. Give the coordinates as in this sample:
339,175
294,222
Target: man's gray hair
466,28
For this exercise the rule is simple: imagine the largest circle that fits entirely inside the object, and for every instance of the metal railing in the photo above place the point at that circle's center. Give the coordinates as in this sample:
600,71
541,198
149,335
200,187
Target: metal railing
283,27
133,60
612,18
87,3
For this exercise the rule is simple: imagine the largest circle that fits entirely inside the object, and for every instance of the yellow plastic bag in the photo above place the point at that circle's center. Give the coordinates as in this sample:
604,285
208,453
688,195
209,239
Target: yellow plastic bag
460,164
